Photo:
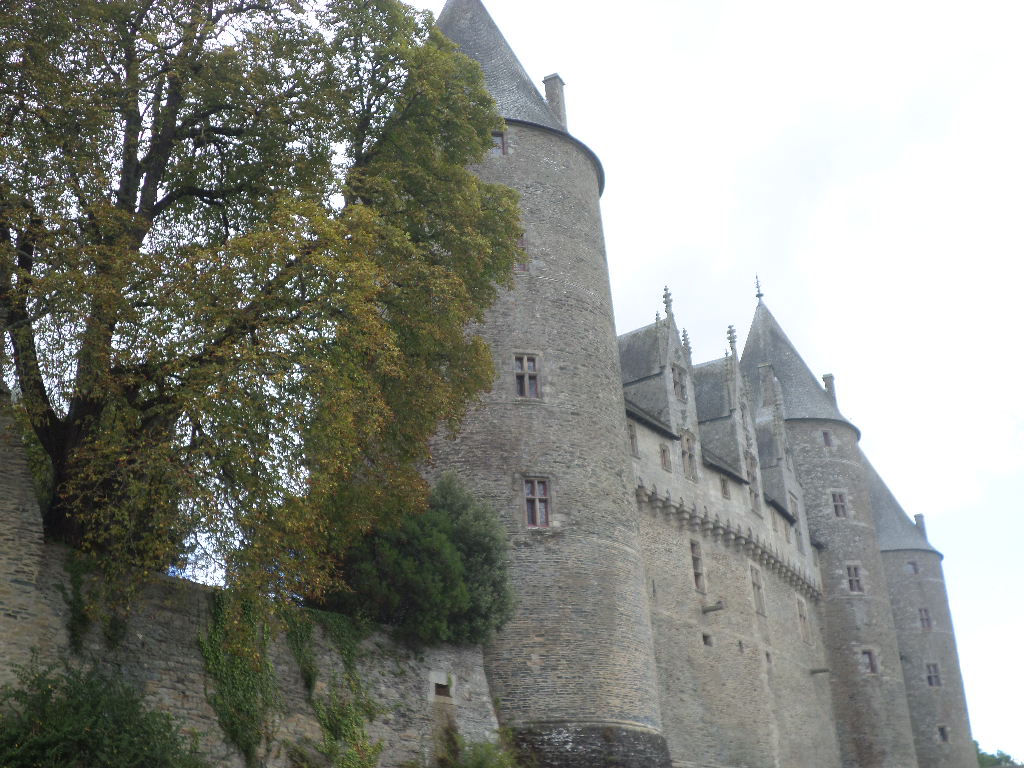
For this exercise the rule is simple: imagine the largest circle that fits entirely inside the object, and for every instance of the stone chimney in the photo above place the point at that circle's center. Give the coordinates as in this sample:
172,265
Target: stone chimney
555,94
830,386
919,522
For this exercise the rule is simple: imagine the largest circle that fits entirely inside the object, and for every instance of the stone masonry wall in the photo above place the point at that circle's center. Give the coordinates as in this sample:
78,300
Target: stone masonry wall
160,652
870,704
577,659
915,582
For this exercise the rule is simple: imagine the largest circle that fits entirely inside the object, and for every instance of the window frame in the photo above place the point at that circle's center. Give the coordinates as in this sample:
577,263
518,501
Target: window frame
523,377
924,616
854,579
933,674
634,440
868,661
700,582
535,504
757,584
840,505
499,142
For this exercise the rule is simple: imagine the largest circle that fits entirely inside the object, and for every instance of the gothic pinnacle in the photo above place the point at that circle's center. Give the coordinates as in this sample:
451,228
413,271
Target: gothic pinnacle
667,296
760,293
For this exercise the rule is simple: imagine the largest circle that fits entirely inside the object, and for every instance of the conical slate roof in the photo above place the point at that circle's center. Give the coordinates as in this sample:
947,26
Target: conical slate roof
802,396
468,24
895,528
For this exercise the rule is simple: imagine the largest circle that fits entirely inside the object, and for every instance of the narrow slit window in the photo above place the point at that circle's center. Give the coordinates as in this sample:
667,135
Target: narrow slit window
755,581
826,438
868,662
926,618
527,376
801,614
634,444
725,487
538,502
697,557
666,458
932,673
943,734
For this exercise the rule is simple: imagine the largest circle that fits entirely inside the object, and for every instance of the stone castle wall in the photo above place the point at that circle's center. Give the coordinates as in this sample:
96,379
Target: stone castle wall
574,669
872,717
160,651
915,582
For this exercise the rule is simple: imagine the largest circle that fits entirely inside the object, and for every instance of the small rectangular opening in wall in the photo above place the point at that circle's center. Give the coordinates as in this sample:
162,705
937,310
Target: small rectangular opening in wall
943,734
443,689
707,639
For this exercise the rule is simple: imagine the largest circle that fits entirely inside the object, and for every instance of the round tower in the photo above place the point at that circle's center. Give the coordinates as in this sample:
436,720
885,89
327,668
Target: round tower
924,627
573,672
869,697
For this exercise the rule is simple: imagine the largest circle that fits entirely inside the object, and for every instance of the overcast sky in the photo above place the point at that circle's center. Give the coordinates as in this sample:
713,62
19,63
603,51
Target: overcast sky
867,161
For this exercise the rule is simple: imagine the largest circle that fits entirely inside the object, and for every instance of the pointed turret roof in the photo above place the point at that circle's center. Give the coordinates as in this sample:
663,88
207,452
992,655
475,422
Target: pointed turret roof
468,24
895,528
802,396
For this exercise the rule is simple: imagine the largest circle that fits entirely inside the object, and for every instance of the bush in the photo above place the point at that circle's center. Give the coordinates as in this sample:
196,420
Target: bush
438,577
85,719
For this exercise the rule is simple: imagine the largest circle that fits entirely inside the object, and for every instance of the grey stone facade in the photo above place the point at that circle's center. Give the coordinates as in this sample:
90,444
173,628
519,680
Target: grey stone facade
712,571
709,572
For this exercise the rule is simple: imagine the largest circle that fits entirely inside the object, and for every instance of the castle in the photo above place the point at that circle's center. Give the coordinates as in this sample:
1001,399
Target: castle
709,571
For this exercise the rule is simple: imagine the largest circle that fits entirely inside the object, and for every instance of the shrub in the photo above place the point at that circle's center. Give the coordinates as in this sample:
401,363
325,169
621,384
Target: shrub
83,718
438,577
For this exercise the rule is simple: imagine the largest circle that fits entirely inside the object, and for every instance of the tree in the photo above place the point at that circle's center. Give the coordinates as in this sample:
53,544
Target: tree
238,251
437,577
999,758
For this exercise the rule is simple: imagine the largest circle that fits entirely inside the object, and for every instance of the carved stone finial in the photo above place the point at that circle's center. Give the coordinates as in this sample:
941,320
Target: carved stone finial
657,317
731,336
759,294
667,296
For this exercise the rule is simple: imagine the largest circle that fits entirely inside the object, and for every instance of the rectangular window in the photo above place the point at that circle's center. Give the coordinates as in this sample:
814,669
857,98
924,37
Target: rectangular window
537,491
853,578
698,565
932,672
499,146
634,445
755,581
839,504
868,663
826,437
911,568
944,734
725,487
801,614
691,457
666,458
527,376
926,618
